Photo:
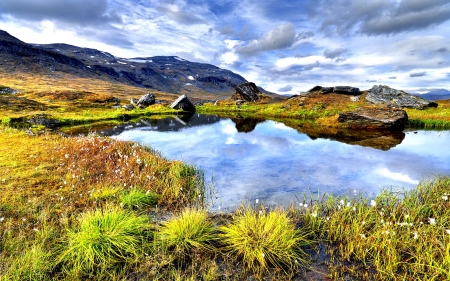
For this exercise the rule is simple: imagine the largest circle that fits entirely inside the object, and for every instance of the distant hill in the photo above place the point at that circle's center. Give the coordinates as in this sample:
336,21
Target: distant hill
164,73
436,94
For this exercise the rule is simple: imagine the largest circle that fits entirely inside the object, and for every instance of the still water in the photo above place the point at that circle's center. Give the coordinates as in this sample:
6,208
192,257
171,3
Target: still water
249,159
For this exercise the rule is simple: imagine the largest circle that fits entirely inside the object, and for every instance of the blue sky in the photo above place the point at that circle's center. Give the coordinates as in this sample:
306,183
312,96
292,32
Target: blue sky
284,46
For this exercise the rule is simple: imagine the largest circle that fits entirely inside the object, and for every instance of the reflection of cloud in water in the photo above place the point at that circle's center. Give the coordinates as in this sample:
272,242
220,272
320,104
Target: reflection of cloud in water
275,165
395,176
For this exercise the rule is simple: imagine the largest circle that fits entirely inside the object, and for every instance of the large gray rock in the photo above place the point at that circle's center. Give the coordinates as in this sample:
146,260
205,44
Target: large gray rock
346,90
247,92
184,103
44,120
382,94
375,118
146,100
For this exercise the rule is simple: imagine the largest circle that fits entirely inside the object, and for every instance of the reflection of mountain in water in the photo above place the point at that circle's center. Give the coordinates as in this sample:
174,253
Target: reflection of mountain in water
170,124
379,139
246,125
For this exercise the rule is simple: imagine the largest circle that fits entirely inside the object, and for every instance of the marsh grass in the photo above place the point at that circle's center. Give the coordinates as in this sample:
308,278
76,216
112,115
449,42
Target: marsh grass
191,230
391,236
35,263
138,199
104,239
263,239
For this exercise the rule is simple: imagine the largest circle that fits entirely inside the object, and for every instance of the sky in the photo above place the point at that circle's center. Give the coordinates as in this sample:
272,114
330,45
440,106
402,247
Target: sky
284,46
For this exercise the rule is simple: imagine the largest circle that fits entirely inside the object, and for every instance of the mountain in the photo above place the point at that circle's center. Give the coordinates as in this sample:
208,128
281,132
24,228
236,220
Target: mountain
164,73
436,94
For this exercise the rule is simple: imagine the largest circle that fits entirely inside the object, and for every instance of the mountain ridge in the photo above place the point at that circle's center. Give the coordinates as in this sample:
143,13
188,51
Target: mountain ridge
163,73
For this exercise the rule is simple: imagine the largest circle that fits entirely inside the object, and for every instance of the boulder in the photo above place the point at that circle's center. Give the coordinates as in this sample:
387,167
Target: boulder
346,90
44,120
129,107
315,88
247,91
7,90
375,118
326,90
184,103
382,94
146,100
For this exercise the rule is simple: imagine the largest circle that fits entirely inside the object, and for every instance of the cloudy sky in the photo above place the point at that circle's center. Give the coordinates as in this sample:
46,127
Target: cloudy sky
283,45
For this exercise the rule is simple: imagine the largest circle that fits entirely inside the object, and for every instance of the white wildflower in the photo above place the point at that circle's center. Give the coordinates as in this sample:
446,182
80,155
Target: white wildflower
306,205
447,231
300,204
257,201
2,219
342,202
432,221
362,236
445,197
416,235
373,203
314,214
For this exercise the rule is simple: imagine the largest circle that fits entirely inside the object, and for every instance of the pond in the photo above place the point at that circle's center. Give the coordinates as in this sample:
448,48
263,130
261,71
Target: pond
277,163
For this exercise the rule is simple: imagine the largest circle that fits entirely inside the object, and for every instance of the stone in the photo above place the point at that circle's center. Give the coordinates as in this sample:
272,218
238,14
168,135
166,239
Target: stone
183,103
146,100
388,118
247,91
133,101
326,90
129,107
354,98
382,94
42,119
346,90
315,88
7,90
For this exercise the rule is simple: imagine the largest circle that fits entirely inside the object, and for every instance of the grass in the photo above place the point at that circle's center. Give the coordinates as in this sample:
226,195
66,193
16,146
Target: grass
61,216
57,204
192,229
263,239
104,238
431,118
137,199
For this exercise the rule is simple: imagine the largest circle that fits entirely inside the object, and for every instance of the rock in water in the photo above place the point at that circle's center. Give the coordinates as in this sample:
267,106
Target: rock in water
382,94
247,91
184,103
375,118
146,100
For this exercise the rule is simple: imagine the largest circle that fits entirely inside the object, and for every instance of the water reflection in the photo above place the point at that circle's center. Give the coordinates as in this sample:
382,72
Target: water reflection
169,124
274,162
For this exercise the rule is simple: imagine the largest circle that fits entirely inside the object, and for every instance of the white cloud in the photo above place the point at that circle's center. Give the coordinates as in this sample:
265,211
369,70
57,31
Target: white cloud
396,176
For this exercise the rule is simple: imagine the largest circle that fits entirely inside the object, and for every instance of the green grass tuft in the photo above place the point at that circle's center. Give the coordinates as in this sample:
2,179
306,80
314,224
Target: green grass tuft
191,230
104,238
136,199
262,239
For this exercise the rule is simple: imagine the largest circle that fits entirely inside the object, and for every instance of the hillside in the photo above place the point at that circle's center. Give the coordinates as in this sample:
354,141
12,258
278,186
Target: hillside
161,73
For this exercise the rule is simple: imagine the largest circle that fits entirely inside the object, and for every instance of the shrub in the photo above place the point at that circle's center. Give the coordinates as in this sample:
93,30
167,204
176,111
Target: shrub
261,238
103,239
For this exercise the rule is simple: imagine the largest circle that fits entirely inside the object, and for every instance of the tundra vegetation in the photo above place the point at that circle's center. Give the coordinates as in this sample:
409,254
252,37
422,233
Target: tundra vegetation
93,208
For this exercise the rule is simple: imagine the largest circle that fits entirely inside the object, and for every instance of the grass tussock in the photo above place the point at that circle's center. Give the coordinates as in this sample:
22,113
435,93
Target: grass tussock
191,230
104,238
263,239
